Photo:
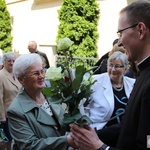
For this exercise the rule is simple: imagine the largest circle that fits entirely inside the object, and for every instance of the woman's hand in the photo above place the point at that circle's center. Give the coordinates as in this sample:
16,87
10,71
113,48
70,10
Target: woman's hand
3,120
85,138
71,143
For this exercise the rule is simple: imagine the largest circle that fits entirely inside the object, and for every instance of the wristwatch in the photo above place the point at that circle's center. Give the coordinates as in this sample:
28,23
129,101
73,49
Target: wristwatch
104,147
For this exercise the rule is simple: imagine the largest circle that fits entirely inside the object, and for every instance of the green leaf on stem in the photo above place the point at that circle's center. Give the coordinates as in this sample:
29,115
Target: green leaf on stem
70,119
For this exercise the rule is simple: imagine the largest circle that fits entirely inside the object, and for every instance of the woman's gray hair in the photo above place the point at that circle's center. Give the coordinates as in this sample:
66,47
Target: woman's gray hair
23,62
119,56
8,55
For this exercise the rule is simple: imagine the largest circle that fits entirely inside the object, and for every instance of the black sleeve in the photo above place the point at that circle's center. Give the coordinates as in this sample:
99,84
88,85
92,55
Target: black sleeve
109,135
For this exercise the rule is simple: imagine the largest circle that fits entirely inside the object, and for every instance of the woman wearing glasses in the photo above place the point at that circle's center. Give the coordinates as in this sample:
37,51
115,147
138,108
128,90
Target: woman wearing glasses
35,123
9,88
111,93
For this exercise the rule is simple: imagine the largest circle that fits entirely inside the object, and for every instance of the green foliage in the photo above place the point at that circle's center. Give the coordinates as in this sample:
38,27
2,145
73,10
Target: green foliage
5,28
79,21
71,86
71,91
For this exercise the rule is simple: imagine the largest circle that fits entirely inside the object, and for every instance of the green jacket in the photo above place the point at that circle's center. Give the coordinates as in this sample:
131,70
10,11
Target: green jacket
32,128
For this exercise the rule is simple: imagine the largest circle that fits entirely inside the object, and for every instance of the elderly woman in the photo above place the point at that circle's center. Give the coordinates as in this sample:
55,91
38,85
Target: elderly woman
9,88
102,63
111,92
35,123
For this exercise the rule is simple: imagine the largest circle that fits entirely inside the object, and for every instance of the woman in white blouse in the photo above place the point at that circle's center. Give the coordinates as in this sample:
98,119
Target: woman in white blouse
111,92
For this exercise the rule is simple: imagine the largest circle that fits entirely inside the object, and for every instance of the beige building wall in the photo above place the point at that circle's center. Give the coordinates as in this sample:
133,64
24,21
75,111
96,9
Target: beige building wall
38,20
108,23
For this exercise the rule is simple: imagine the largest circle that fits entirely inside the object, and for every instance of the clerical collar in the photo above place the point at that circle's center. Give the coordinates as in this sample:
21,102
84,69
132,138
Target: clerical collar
144,63
143,60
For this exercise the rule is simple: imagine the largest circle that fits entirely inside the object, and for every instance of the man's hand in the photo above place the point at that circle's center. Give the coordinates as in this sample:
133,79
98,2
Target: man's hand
85,138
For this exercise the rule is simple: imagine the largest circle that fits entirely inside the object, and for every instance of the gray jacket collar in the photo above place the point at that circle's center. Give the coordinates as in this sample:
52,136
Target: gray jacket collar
28,106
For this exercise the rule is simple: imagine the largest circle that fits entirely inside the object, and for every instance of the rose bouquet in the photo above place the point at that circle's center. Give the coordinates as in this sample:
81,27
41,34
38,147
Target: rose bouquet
70,85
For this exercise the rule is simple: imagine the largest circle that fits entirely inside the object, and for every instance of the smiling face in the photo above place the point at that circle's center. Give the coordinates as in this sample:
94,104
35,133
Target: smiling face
34,78
116,70
8,63
129,38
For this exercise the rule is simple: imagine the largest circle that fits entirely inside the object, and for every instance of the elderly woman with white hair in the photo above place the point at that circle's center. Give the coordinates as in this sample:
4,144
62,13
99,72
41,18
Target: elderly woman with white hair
9,88
34,122
111,92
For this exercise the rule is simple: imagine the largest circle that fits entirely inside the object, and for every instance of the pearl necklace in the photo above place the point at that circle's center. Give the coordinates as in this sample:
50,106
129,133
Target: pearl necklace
117,89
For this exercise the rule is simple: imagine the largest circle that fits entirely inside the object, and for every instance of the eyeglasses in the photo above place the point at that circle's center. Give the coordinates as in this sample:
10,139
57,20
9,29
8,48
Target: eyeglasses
10,60
38,73
115,66
119,33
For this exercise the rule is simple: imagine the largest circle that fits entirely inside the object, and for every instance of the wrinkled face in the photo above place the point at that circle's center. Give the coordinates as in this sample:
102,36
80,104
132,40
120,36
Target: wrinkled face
34,78
8,63
116,69
128,37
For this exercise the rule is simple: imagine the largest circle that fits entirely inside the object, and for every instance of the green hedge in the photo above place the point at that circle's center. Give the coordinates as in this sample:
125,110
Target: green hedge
5,28
79,22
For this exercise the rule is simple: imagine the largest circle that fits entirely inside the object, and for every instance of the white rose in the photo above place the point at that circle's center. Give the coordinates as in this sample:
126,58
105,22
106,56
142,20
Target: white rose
64,43
53,73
